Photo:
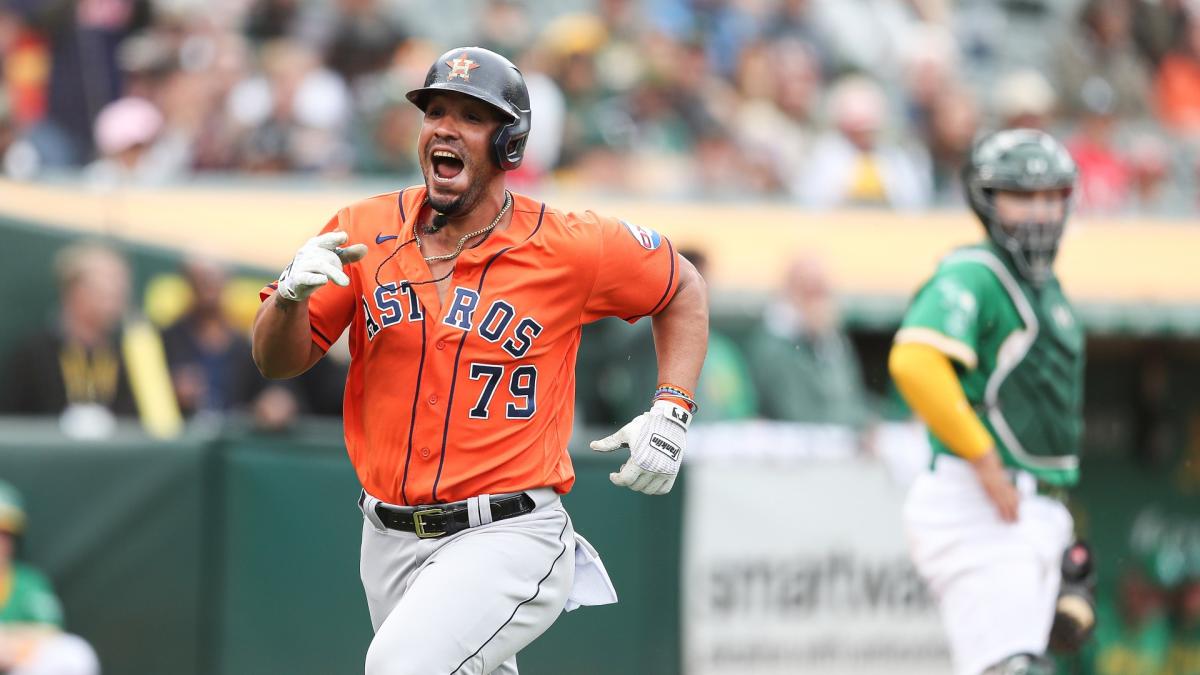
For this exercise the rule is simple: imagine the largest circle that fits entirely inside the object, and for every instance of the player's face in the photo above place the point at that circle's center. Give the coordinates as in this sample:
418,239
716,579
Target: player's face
1030,225
455,151
1038,206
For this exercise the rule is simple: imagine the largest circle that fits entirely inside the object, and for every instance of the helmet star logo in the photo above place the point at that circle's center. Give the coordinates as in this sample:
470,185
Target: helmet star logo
461,67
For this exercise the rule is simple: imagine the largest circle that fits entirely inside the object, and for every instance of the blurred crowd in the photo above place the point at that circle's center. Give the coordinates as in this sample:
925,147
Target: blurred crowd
820,102
179,356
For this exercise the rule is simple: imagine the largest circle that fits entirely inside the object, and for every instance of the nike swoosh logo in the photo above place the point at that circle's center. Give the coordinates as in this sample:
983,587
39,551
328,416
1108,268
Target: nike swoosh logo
380,238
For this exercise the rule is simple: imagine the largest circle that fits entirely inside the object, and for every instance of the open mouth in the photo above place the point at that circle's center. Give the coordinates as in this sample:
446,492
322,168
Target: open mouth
446,165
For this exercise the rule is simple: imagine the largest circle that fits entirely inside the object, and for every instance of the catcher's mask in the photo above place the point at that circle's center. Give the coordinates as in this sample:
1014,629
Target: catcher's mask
1020,160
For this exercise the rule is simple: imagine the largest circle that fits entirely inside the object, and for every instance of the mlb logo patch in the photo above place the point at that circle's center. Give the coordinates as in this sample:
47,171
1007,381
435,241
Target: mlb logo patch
649,239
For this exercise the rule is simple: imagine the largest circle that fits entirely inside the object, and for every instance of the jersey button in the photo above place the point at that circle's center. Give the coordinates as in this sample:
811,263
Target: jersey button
441,344
424,453
433,399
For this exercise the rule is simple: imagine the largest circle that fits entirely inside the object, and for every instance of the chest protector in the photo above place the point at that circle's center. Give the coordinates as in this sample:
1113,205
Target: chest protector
1034,397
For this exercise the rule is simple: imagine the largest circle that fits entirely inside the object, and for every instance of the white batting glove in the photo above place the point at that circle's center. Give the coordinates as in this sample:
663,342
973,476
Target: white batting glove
318,261
655,440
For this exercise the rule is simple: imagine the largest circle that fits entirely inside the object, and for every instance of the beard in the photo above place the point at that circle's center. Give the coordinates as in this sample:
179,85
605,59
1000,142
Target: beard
465,201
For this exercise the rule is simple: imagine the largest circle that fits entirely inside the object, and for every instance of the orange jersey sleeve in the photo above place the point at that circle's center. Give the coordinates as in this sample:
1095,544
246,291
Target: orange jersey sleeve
331,307
636,271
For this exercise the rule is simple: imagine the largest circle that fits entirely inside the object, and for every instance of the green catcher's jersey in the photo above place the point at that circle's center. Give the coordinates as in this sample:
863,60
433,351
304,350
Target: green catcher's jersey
30,599
1019,356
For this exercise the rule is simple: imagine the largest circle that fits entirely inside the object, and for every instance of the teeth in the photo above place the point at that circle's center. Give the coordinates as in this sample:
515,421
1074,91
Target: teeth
445,153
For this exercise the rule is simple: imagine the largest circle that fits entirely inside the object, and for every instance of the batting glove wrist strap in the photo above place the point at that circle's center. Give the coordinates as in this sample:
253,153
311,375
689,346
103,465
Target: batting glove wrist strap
656,440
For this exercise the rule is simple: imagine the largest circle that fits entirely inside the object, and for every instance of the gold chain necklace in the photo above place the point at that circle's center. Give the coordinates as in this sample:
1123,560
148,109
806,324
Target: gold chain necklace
465,237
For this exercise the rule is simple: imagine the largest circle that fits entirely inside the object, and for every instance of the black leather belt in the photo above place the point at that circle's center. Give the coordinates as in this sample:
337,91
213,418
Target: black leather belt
439,520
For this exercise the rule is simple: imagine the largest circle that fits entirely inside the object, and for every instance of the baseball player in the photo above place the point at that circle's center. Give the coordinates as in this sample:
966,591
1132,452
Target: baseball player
990,356
32,641
464,304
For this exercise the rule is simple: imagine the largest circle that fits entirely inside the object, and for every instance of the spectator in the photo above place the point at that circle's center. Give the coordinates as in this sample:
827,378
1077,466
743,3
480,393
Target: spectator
1024,99
273,19
1177,87
133,149
364,39
292,117
1105,177
866,36
795,20
804,365
88,366
1100,58
504,27
544,146
954,120
209,360
779,86
930,68
385,138
84,77
1157,25
32,641
853,164
569,45
25,53
1150,159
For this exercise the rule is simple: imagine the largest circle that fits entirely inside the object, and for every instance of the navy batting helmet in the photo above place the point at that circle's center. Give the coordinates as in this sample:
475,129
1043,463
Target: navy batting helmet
493,79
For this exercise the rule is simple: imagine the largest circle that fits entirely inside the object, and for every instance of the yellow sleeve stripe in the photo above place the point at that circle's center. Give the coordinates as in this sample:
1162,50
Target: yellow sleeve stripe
955,349
926,379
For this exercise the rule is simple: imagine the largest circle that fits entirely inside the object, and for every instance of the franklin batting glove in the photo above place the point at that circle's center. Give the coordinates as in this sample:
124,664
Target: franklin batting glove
318,261
655,440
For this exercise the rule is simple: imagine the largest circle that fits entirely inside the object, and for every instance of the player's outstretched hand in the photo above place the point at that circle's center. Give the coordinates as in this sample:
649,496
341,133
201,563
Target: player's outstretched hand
996,483
655,440
319,261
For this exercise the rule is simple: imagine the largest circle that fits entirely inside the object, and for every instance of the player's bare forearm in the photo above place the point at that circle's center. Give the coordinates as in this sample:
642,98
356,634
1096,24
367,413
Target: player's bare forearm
281,341
681,330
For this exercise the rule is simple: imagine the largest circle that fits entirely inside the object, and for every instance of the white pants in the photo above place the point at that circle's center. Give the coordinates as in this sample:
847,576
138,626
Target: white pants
995,582
60,654
465,603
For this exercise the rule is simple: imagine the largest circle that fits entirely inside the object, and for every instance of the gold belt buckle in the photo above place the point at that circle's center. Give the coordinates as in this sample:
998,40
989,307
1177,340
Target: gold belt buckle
419,524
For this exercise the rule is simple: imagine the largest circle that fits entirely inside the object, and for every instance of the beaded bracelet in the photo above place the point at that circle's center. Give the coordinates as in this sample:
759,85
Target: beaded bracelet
673,393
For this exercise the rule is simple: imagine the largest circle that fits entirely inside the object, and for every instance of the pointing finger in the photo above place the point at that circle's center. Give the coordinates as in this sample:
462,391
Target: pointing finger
351,254
331,240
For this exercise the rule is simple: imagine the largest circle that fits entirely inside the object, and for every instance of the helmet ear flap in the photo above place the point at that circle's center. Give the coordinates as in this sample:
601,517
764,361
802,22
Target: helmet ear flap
509,143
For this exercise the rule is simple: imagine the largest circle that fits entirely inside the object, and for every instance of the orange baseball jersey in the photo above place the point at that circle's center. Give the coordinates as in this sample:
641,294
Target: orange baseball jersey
446,402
